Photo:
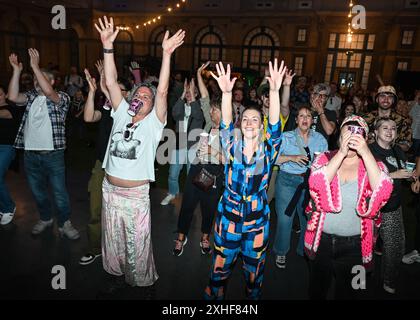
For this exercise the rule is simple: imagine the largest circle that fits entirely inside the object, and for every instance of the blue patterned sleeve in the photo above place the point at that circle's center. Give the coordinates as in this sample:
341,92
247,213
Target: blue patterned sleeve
227,140
273,140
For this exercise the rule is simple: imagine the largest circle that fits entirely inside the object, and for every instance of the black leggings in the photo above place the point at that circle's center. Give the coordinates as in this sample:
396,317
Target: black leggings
208,200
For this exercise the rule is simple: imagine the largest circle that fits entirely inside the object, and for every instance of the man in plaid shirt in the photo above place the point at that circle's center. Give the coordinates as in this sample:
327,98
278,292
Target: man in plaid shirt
42,135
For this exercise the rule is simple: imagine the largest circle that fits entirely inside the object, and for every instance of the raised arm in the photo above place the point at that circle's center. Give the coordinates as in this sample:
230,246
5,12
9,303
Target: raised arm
285,97
100,67
169,45
332,167
226,86
374,173
275,80
135,71
13,91
379,78
90,114
44,83
204,93
108,35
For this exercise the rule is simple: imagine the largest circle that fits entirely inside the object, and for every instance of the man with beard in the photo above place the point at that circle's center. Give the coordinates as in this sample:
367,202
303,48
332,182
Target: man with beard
387,98
42,135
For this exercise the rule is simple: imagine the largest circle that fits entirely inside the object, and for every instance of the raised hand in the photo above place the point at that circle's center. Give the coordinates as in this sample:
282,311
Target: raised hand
344,142
34,55
192,89
203,66
358,143
288,78
91,81
100,67
13,59
185,88
223,78
170,44
106,31
134,66
276,74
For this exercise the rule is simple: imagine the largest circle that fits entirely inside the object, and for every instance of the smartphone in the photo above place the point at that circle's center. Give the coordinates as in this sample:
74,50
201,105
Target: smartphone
356,130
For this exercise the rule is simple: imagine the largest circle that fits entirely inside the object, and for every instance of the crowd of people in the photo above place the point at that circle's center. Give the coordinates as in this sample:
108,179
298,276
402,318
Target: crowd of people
337,158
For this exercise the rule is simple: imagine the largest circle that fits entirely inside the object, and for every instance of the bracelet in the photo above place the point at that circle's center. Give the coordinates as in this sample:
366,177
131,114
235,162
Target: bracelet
108,50
320,114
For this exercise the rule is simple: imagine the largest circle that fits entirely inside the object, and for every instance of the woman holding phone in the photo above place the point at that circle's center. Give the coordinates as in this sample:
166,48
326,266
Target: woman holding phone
348,188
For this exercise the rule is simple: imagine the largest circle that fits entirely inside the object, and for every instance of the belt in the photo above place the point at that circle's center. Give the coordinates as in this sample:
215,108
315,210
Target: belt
41,151
295,174
345,238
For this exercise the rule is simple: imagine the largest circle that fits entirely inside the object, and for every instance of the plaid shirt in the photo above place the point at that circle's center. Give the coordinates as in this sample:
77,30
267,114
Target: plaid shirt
245,196
57,113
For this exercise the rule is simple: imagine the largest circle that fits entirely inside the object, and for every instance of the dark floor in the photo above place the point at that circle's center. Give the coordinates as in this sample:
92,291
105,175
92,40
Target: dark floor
26,261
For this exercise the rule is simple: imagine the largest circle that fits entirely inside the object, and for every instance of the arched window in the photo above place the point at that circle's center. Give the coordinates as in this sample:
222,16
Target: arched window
123,50
19,42
260,46
74,48
209,45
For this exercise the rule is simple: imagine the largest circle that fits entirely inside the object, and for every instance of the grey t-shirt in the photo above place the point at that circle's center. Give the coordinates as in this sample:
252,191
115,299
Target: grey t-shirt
346,223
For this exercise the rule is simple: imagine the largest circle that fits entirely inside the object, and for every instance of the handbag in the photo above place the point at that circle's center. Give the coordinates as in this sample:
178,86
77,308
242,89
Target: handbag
204,180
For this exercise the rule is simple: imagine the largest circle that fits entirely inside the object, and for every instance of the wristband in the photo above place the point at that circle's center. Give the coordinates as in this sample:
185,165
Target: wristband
321,113
108,50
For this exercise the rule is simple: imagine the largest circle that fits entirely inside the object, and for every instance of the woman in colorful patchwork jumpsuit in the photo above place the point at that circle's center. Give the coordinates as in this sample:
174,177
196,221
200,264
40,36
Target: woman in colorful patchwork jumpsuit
242,222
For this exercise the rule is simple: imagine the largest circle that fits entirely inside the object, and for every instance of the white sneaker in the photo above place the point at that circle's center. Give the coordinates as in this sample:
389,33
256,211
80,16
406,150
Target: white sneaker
88,258
411,257
7,217
69,231
281,262
167,199
389,289
41,226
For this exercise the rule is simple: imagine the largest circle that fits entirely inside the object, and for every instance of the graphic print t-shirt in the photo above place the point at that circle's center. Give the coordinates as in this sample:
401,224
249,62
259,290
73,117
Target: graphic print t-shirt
387,156
133,157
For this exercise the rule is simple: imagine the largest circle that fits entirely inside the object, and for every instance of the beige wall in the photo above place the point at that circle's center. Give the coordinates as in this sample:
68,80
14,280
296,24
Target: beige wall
54,46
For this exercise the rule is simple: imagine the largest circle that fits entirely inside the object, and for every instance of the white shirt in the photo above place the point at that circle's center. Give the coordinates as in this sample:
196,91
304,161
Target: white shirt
187,115
133,158
333,103
38,130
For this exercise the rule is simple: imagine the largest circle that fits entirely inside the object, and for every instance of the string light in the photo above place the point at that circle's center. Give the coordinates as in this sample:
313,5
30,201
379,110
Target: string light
349,30
169,9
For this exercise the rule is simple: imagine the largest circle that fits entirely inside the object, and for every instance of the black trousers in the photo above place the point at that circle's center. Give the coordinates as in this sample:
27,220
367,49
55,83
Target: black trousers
335,258
417,213
208,200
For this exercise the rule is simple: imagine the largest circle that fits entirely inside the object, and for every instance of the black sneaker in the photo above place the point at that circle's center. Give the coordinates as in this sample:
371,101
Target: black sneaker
112,285
179,247
205,246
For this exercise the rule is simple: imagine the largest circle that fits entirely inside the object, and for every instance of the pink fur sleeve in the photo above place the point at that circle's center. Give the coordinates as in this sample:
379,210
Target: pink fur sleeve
327,196
371,201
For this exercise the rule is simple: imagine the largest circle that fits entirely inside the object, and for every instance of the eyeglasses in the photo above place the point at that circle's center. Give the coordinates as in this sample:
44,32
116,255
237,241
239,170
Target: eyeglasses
322,95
